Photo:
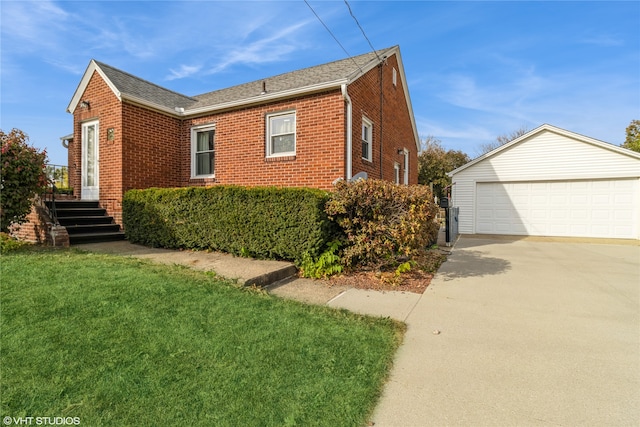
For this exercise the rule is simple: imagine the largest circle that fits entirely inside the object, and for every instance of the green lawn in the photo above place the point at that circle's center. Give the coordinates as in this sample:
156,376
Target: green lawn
122,342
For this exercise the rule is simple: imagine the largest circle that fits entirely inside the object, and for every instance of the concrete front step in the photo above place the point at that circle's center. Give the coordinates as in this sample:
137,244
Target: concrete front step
76,212
83,238
86,222
92,228
76,204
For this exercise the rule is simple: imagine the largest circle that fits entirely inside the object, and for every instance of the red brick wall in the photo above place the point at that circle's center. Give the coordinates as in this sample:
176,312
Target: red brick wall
152,149
240,144
397,132
107,109
39,229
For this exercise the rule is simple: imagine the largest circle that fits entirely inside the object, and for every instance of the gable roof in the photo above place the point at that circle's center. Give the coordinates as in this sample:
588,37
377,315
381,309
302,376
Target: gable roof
308,80
549,128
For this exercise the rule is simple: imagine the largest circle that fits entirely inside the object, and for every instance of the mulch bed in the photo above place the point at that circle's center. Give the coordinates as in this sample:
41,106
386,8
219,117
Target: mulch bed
413,281
416,280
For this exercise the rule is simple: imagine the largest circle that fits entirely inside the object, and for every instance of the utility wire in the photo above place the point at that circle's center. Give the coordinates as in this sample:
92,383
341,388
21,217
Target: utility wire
361,29
334,37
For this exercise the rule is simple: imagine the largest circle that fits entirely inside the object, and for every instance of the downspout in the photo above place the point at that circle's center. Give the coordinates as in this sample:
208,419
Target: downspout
381,115
346,97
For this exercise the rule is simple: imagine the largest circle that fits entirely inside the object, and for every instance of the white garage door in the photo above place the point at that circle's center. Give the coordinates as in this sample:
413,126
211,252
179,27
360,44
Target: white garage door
603,208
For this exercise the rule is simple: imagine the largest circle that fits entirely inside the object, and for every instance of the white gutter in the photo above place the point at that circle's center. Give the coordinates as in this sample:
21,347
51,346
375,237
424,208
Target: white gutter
349,131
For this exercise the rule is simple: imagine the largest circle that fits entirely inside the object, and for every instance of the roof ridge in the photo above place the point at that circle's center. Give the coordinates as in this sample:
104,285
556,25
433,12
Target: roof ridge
102,64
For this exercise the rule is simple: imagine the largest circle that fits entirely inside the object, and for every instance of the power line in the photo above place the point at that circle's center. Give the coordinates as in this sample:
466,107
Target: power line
361,29
334,37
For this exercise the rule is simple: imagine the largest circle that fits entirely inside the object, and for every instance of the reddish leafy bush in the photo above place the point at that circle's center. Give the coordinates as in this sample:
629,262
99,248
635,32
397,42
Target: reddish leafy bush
385,224
23,176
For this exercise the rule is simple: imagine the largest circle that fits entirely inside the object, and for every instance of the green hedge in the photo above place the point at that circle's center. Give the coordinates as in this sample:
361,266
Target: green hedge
263,222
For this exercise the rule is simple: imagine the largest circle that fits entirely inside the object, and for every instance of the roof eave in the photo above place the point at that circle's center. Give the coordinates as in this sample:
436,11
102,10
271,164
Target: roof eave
403,78
262,99
84,82
132,99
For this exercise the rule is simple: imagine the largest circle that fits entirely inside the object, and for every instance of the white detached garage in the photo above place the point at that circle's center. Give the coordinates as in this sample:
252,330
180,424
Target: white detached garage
550,182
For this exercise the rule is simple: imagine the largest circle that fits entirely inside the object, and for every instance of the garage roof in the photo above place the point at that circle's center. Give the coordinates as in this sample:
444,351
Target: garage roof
549,128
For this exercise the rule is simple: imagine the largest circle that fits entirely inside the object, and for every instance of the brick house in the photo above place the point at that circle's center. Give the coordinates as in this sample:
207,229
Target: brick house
306,128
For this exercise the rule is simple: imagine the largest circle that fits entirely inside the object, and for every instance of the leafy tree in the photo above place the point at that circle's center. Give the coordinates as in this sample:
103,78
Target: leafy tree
501,140
434,162
633,136
23,176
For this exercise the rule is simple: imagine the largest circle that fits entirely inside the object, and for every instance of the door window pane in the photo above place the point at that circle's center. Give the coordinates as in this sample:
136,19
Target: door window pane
90,173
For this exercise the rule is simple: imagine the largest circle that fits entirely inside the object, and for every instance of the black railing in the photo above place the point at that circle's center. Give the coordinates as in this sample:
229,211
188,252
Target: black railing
59,176
58,182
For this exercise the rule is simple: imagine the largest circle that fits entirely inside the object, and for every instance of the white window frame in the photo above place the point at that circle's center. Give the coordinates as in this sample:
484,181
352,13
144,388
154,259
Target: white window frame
395,77
194,146
406,166
269,134
367,132
396,172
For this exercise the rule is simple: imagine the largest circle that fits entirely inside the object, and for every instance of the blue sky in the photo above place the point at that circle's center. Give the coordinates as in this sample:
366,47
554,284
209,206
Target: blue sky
475,69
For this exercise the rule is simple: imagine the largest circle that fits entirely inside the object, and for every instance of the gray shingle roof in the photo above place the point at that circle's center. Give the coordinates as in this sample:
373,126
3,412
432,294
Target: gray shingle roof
131,85
342,70
333,71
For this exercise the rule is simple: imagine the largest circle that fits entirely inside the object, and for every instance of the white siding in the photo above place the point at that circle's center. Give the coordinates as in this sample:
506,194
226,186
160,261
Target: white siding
549,156
543,156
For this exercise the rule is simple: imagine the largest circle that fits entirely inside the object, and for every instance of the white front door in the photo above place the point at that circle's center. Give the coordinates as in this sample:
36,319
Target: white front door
90,188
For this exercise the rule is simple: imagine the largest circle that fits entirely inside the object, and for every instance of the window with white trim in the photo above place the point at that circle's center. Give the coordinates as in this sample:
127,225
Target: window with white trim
367,139
395,77
203,151
281,134
396,172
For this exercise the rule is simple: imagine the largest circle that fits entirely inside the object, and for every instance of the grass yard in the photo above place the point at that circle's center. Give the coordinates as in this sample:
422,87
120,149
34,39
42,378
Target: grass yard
121,342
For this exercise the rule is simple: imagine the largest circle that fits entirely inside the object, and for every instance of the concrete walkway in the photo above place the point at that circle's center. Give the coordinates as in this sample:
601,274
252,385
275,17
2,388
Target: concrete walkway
522,333
246,271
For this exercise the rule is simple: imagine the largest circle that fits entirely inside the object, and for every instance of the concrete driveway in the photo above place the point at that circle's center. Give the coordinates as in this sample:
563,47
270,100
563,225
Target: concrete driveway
522,332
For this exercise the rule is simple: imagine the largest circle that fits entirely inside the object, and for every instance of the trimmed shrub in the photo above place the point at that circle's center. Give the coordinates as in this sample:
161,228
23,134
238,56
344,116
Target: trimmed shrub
385,224
262,222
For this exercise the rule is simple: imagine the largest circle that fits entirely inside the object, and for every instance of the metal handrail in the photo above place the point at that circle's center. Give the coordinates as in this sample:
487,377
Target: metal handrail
57,177
51,196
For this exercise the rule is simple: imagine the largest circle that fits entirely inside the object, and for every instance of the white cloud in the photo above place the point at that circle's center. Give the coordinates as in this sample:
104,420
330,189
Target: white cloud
183,71
37,25
602,40
271,48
